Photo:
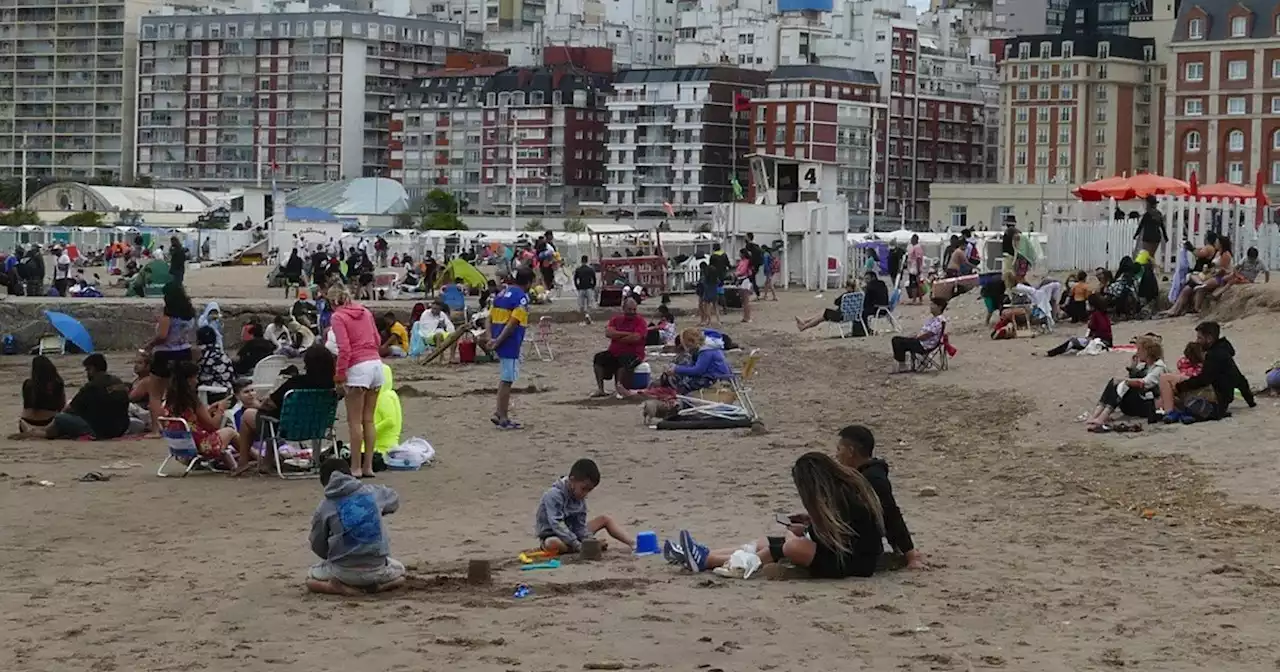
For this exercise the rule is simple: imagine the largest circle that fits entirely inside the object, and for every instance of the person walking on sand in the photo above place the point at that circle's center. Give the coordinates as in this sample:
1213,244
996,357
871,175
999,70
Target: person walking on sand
508,320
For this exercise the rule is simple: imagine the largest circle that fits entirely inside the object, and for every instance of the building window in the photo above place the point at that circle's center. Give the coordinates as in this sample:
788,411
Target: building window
1020,158
1066,91
1024,50
959,217
1275,172
1064,135
1193,107
1275,105
1020,137
1067,49
1046,50
1100,135
1190,168
1100,159
1235,141
1275,140
1235,172
1275,69
1042,115
1023,91
1023,114
1104,50
1064,114
1042,92
1239,26
1100,113
1194,72
1235,105
1237,70
1195,29
1193,141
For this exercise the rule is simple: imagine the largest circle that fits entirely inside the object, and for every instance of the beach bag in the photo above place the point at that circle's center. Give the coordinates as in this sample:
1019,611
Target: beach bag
10,345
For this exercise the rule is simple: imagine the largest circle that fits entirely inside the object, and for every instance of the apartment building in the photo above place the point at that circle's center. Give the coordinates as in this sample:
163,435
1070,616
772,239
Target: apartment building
304,96
815,114
66,87
671,136
1223,101
1078,108
436,128
469,131
942,117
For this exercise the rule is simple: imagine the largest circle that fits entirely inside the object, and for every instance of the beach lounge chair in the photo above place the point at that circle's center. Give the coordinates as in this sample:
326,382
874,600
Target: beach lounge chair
850,315
306,421
266,375
935,359
729,400
182,449
455,301
51,344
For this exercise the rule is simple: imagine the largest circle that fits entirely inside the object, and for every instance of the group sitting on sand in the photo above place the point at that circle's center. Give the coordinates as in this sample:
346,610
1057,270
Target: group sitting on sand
849,513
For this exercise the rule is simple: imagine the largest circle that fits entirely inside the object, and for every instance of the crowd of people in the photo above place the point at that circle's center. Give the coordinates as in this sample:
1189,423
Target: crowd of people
185,372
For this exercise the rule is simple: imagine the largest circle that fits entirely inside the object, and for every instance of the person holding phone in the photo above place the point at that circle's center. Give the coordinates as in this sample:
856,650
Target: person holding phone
854,450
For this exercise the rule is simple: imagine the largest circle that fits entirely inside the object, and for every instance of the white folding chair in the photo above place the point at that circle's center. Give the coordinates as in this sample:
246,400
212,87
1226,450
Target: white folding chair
887,313
52,345
542,341
266,375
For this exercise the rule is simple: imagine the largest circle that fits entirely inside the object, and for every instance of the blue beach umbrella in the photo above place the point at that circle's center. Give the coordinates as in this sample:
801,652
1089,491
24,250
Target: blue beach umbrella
71,329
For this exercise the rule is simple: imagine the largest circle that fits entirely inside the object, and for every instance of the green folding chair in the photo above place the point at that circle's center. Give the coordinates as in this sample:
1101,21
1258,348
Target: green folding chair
306,420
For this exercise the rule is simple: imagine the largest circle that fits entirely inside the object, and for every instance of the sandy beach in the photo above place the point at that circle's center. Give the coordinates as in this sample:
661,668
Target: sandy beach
1051,548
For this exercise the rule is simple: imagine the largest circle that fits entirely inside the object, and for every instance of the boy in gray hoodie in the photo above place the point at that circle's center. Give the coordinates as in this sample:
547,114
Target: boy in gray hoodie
561,522
347,534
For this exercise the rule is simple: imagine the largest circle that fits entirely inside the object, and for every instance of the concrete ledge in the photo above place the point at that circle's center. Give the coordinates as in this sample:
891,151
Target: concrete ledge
118,323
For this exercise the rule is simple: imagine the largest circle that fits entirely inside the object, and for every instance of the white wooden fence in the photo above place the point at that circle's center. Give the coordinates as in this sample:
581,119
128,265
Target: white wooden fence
1087,235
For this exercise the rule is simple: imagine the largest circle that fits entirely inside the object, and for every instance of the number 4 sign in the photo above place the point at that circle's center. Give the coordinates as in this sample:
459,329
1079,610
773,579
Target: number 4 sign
810,177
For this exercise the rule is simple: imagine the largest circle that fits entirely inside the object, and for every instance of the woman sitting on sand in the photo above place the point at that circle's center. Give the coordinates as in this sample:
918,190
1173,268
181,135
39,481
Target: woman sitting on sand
1134,395
706,365
839,535
43,394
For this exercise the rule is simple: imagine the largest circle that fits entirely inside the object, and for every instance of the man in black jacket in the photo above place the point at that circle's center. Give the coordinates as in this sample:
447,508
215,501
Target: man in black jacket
856,446
1151,228
757,260
877,295
1219,371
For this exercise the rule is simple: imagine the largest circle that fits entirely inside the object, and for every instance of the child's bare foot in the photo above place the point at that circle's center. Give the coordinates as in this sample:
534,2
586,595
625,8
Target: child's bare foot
333,587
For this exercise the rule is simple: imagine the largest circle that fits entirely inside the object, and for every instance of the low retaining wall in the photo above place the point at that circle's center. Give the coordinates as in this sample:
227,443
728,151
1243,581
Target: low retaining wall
126,324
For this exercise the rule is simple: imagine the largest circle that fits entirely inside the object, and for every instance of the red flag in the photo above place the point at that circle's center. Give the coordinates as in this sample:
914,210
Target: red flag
1194,184
741,103
275,167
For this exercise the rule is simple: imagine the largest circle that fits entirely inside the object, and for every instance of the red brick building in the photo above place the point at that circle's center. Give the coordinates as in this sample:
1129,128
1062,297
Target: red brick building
1224,93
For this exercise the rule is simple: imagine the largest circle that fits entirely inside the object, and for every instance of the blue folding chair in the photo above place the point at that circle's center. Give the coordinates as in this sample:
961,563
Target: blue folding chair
850,315
888,312
306,419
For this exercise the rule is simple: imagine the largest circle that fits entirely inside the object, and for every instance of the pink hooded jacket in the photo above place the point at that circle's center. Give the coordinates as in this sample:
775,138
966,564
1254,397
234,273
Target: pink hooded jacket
357,336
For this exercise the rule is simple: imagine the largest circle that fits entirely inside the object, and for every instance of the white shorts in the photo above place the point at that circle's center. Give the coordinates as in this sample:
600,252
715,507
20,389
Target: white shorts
367,375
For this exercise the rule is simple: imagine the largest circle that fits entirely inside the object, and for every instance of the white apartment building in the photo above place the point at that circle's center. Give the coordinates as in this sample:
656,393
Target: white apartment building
475,15
304,97
670,137
640,33
741,33
66,87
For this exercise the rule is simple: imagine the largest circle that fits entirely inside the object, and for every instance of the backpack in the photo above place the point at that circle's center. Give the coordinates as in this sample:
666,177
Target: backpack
10,346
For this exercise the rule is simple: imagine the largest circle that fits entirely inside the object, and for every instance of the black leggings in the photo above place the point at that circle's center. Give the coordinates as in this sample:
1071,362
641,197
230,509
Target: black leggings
905,344
1131,404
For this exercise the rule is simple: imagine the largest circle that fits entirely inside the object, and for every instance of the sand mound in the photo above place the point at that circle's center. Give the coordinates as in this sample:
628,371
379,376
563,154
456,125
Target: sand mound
1241,301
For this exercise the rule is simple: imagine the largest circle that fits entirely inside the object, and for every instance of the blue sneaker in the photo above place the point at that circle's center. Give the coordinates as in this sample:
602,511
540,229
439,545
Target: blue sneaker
1172,417
672,553
695,554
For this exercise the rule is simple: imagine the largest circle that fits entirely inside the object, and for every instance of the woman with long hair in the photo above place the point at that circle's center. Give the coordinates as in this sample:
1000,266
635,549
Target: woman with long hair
182,400
43,395
170,347
319,375
838,535
360,369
